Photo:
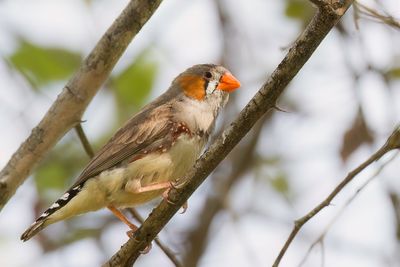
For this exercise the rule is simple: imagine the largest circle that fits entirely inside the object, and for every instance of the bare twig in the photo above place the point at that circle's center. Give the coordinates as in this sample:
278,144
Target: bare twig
322,236
67,110
84,140
263,101
393,142
170,254
375,15
395,201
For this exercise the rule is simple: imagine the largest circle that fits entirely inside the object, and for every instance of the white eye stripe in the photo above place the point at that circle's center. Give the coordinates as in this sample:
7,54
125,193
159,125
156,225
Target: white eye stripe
212,85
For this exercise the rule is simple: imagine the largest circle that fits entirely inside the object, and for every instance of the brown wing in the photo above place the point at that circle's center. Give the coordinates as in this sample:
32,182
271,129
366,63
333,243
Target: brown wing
140,132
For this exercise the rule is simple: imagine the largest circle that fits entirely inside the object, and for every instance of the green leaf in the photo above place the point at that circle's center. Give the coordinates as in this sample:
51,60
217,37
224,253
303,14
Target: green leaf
42,65
60,168
299,10
133,85
280,184
394,73
51,176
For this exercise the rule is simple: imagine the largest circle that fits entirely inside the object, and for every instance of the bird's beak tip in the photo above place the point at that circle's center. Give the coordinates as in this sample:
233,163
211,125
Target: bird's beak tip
228,82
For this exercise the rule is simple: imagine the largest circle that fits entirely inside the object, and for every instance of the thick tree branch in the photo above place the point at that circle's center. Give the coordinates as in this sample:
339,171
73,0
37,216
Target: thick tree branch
320,3
67,110
263,101
196,238
393,142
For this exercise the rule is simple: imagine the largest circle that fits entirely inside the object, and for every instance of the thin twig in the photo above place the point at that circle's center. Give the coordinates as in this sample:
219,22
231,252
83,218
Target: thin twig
265,99
322,236
374,14
393,142
84,140
395,201
167,251
71,103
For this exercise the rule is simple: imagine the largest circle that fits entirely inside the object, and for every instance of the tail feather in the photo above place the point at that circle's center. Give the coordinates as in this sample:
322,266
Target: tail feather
33,230
46,219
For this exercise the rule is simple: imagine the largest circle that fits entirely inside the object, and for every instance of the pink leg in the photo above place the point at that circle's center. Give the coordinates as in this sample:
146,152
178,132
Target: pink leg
159,186
153,187
122,217
133,227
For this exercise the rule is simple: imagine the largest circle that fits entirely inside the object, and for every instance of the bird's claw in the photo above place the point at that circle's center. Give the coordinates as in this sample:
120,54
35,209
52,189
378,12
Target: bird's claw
184,207
146,250
165,196
130,233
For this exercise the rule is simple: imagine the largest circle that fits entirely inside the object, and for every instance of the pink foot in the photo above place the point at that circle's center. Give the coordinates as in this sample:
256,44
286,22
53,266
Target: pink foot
165,196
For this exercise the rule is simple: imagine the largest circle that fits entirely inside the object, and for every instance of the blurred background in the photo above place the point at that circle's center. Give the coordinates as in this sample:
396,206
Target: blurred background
339,109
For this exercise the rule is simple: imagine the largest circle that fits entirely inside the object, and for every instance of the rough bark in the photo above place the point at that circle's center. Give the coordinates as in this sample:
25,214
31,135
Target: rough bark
197,237
324,20
67,110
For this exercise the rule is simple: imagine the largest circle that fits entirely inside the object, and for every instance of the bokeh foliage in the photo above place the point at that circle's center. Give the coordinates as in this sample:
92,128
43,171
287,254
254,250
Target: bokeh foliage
133,85
42,66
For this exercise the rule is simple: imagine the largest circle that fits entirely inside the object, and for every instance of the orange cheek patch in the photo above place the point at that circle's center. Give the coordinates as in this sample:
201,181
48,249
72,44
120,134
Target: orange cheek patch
193,86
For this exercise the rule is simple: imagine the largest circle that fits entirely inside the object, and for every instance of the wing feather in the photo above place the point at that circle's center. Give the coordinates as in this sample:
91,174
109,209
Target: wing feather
137,135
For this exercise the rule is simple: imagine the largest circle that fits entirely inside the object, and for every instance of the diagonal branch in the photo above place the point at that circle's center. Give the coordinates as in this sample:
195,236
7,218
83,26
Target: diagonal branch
322,236
84,140
393,142
319,3
67,110
196,238
167,251
323,21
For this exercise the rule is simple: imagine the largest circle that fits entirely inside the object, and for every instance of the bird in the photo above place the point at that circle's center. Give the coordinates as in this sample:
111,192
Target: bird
154,148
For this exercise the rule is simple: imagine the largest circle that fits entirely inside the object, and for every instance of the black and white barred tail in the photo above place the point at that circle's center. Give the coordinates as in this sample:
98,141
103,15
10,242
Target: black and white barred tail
33,230
45,219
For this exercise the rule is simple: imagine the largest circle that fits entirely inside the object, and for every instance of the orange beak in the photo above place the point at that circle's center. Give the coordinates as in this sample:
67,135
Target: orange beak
228,82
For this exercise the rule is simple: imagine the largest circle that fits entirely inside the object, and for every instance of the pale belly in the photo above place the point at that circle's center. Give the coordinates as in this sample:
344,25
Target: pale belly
115,187
153,169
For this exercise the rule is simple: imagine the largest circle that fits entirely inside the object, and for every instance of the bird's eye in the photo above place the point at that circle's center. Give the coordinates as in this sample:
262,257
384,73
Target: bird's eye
208,75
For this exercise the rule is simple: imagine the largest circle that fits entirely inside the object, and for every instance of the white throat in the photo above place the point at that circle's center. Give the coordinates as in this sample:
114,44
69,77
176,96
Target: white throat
201,115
